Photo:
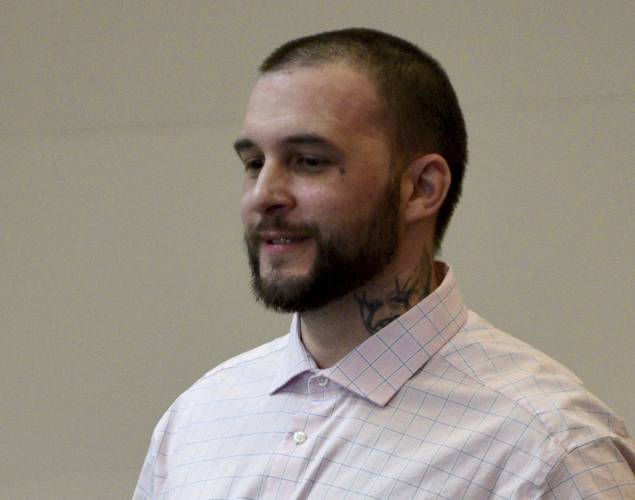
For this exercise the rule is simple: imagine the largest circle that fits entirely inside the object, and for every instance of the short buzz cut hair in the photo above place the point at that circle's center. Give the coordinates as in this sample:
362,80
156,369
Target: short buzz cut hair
419,102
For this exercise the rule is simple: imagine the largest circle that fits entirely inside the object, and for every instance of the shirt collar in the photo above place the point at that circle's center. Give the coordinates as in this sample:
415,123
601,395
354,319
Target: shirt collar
294,359
378,367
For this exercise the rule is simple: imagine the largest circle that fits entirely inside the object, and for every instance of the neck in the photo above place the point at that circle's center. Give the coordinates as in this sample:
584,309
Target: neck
333,331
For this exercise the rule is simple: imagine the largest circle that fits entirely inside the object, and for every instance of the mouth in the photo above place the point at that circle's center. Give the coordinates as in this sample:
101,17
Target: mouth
285,240
278,237
281,243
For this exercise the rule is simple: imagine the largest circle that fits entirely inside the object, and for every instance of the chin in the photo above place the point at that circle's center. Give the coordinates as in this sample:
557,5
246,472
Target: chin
283,294
280,273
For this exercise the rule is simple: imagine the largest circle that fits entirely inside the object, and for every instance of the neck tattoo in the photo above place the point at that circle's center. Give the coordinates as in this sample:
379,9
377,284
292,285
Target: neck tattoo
378,311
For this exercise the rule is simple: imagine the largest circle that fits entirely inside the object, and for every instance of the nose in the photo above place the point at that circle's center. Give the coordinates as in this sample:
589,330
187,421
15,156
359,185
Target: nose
271,192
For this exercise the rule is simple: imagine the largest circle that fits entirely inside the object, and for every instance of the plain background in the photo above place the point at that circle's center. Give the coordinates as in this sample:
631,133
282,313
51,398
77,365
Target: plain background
123,277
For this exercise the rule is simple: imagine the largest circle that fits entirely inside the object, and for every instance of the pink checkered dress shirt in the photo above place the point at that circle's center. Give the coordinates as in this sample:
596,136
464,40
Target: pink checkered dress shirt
438,404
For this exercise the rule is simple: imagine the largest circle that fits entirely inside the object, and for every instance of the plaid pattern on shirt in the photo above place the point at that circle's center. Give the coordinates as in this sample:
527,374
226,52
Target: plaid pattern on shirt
438,404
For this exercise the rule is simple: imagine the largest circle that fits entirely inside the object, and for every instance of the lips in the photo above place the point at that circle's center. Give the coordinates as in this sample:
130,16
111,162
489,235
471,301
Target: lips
281,238
282,241
279,244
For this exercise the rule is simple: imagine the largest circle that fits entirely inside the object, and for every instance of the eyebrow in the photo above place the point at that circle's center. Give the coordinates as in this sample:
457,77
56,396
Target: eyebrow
306,139
242,144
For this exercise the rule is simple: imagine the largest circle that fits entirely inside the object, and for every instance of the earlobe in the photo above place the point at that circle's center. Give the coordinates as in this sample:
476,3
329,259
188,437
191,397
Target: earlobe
429,177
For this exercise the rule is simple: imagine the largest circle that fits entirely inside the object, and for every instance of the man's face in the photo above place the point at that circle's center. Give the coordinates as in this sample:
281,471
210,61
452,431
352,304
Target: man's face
319,207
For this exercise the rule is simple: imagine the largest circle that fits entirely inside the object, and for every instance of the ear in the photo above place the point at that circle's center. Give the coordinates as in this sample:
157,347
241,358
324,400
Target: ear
425,184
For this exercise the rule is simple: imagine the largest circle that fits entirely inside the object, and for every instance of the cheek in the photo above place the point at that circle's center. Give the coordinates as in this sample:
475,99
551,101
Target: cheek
339,205
322,205
244,209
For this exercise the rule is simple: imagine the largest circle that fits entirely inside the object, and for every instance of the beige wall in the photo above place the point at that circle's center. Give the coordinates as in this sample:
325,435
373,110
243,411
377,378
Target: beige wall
122,273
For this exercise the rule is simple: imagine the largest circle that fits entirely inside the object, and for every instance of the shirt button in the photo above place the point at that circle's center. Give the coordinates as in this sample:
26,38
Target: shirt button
299,437
323,381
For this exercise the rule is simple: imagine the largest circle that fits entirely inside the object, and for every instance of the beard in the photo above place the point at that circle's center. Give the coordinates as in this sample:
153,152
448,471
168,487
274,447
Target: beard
345,260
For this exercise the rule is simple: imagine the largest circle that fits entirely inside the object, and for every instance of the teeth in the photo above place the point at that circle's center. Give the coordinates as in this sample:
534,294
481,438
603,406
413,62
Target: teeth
281,241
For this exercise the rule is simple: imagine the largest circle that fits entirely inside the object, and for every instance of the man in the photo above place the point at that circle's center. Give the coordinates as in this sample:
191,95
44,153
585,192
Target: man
386,386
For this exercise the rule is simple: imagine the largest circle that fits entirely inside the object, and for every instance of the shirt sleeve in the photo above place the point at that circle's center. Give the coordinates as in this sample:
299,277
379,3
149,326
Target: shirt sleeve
150,477
601,469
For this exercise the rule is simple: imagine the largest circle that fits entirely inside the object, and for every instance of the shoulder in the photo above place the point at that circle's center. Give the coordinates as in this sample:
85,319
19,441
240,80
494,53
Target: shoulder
242,363
536,404
223,388
547,391
242,377
251,368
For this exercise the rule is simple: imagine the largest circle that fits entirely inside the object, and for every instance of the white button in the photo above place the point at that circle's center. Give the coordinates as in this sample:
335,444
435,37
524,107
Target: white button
299,437
323,381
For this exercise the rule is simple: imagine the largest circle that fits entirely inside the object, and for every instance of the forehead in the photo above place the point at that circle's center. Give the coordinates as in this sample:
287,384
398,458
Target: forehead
328,99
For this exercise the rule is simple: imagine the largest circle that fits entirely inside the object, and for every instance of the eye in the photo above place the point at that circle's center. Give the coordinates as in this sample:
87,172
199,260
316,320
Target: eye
253,164
311,162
